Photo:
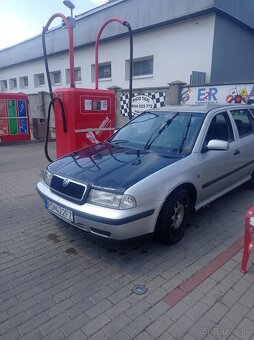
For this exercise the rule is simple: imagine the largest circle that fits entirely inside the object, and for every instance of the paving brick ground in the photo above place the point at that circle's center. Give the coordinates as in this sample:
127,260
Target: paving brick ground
57,282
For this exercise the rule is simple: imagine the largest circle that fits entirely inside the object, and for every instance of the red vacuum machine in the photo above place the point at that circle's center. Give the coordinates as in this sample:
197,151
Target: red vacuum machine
83,117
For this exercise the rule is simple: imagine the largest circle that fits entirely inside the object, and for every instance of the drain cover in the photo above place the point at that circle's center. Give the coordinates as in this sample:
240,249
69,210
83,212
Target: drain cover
139,289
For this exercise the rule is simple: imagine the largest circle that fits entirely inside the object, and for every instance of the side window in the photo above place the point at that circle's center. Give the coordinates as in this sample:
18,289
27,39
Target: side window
244,121
220,128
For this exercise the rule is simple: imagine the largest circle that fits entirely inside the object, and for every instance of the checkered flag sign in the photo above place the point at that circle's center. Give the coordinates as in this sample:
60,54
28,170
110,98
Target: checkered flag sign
158,99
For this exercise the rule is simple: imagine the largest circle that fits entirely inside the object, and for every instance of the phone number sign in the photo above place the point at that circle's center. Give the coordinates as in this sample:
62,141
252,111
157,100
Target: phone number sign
141,103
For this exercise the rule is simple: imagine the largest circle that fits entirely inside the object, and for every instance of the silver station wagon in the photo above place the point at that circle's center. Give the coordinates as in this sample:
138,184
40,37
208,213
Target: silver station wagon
153,172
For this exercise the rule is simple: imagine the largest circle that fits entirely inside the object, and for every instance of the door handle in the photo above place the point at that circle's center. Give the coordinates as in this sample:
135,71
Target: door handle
237,152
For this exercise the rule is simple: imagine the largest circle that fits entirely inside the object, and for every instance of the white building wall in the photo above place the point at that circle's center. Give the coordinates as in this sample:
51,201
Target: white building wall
178,49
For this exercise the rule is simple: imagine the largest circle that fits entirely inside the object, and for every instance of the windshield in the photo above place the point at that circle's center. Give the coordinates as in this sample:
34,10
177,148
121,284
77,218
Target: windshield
161,132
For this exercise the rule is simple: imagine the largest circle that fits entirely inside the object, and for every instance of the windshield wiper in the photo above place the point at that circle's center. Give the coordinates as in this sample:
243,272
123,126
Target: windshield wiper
119,141
161,129
187,127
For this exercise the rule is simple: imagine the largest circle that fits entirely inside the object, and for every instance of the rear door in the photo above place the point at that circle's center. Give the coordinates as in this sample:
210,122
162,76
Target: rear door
244,130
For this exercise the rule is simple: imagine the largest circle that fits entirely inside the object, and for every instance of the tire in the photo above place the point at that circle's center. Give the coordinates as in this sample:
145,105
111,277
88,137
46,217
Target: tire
173,217
251,181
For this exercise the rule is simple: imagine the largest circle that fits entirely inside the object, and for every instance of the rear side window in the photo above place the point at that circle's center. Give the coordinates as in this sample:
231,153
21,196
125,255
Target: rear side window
244,121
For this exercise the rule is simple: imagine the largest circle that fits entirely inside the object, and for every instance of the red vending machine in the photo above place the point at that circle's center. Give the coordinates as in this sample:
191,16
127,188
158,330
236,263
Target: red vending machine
14,117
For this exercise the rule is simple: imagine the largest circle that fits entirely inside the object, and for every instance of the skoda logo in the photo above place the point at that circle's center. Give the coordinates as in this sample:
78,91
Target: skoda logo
65,182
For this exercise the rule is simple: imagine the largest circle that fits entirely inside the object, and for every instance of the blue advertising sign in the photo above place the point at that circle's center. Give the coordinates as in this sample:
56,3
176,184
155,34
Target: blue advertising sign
22,112
23,127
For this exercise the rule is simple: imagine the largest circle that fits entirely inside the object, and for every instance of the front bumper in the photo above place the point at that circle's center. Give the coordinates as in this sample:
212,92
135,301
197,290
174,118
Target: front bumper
105,222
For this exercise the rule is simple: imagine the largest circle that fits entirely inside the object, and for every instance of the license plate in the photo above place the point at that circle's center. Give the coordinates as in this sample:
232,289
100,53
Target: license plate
59,211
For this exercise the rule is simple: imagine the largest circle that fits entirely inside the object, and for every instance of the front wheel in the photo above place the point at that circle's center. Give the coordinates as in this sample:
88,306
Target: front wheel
173,217
251,181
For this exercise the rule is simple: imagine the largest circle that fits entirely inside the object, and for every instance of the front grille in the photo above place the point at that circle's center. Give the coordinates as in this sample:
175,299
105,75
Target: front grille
69,189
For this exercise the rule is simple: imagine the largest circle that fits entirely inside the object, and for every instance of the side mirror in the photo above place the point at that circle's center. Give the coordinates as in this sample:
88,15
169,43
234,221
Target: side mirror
217,144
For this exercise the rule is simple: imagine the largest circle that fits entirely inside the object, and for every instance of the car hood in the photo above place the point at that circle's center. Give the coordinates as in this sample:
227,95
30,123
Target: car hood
110,166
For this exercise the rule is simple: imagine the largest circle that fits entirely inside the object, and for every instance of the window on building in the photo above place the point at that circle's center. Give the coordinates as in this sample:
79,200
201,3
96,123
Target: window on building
140,67
23,82
104,71
56,77
39,80
13,83
3,84
77,75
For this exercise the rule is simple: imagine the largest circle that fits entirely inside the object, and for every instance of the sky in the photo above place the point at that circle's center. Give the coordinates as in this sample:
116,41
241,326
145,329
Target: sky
23,19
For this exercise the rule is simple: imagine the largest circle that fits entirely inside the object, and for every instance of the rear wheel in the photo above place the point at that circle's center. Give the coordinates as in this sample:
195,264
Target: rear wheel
173,217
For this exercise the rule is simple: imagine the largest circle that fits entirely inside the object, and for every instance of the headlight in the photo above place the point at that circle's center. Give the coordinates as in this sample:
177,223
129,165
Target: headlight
111,200
47,177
